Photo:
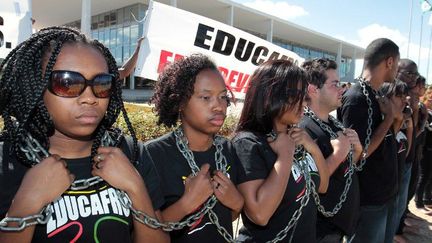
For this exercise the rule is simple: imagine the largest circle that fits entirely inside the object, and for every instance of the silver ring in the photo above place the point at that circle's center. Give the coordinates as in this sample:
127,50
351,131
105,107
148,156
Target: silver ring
99,157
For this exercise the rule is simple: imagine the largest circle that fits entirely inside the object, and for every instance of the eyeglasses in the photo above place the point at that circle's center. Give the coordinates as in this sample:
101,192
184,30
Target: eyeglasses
71,84
410,73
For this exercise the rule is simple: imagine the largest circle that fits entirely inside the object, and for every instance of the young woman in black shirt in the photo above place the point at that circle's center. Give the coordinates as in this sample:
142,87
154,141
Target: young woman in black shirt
62,164
281,162
198,169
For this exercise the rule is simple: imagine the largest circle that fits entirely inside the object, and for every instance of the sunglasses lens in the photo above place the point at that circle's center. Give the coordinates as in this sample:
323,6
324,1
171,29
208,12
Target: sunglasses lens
66,84
102,85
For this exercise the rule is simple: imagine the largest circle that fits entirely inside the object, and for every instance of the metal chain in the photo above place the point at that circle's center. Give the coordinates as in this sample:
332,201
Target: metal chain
106,141
143,218
362,161
299,160
221,165
333,135
41,218
34,151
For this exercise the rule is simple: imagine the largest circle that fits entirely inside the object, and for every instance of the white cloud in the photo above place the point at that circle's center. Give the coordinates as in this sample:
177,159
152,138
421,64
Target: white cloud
279,9
371,32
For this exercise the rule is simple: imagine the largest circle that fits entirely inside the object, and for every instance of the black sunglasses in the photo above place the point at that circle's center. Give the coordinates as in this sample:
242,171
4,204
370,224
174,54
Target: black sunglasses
70,84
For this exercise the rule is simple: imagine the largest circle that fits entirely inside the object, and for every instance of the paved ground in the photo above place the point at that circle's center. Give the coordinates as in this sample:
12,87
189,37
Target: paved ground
419,228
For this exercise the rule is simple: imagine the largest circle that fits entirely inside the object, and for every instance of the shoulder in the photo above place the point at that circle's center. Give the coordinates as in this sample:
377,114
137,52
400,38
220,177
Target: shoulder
246,136
355,93
306,122
161,143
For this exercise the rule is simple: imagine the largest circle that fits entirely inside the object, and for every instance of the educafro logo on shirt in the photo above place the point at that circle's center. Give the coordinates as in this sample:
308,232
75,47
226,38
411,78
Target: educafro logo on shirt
70,206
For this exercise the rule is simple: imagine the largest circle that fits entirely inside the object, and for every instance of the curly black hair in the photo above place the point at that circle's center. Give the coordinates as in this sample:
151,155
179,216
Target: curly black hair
316,68
175,86
23,83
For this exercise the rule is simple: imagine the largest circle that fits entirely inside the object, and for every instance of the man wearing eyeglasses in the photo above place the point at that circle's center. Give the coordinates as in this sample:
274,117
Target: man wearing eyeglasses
408,73
325,95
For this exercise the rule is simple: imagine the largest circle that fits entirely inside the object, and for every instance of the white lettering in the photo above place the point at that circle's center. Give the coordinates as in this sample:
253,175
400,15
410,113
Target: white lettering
82,203
96,205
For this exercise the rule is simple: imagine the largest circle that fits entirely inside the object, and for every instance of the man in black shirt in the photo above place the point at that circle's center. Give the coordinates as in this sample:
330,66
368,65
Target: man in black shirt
324,95
372,117
408,73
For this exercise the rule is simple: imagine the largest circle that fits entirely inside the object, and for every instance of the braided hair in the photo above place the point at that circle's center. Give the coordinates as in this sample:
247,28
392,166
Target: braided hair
23,83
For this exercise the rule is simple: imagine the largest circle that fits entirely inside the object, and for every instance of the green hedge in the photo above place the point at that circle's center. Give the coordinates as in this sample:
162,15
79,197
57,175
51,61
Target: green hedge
144,122
145,125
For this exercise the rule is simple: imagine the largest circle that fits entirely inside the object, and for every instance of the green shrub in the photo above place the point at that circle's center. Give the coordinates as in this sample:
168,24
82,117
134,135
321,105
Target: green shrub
144,122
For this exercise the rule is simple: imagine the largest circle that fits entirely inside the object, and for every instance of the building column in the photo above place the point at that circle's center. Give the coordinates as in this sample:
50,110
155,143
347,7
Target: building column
270,31
352,65
173,3
230,20
132,81
86,17
339,57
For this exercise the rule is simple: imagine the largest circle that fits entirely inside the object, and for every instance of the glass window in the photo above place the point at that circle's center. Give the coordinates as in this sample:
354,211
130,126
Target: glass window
101,36
126,52
94,34
303,52
113,37
107,38
126,35
134,33
118,55
119,40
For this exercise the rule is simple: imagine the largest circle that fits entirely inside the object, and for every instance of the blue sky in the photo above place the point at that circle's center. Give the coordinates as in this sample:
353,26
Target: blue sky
359,22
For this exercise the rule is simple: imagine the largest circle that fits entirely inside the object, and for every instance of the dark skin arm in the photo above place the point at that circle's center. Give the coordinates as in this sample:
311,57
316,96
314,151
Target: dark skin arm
113,168
263,196
33,195
197,190
226,192
130,64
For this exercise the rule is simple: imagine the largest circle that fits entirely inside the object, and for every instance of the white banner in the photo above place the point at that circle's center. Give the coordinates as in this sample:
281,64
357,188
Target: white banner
172,33
15,24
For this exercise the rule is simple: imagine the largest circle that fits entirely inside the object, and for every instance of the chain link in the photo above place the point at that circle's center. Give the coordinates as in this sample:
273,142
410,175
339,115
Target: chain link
34,151
362,161
41,218
221,165
333,135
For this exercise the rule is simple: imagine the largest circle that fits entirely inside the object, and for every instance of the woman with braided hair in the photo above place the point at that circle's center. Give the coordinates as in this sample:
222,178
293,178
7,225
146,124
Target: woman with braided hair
63,167
198,169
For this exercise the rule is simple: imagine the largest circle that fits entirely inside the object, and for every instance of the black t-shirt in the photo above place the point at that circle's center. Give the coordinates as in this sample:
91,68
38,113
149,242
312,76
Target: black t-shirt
94,214
347,217
428,133
173,168
402,149
379,175
258,160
